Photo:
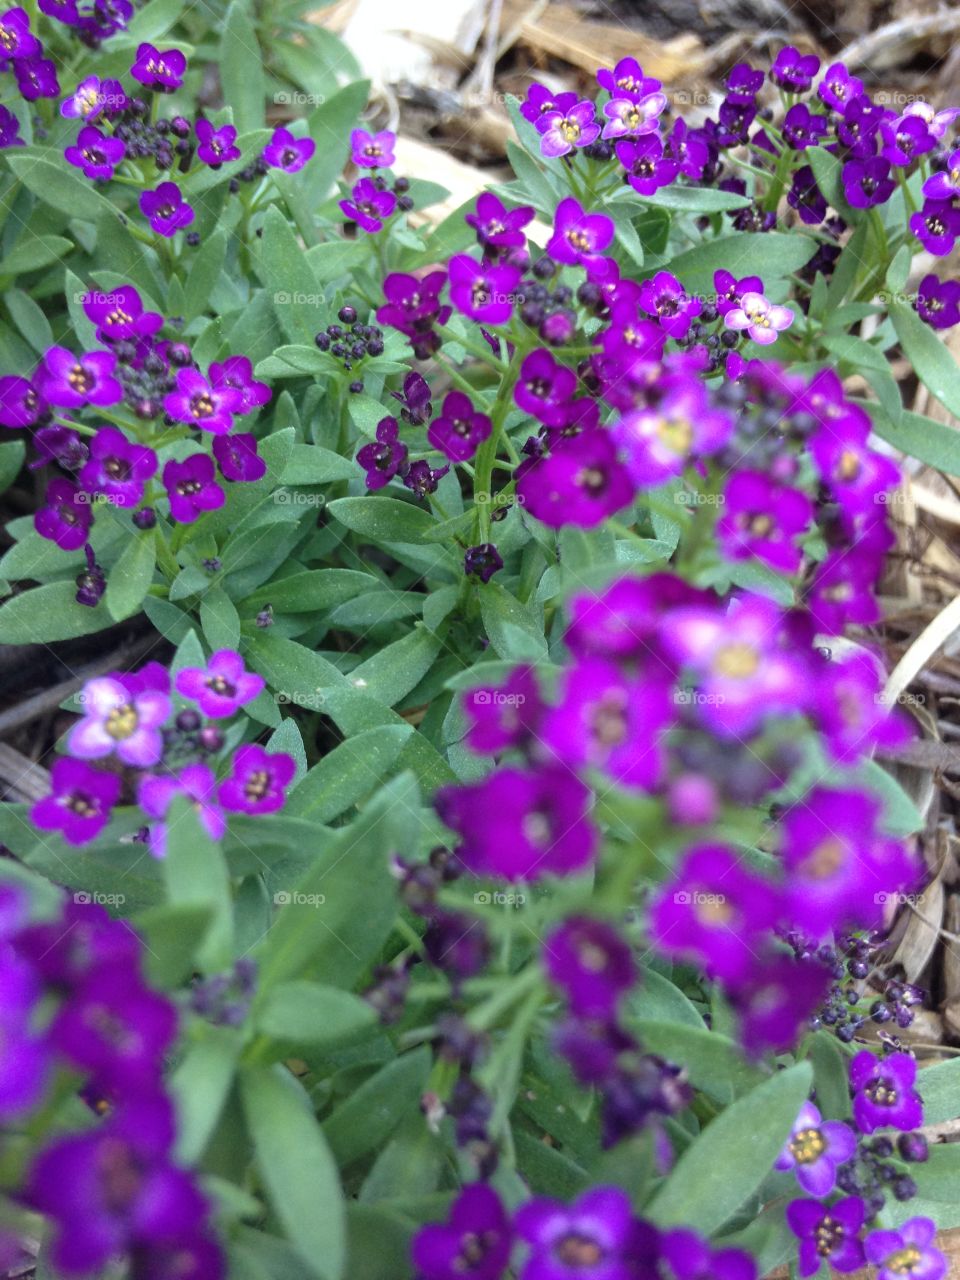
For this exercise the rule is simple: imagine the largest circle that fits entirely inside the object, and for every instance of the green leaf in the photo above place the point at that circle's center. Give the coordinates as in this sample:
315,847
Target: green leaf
281,268
715,1064
918,436
398,668
329,126
205,268
931,359
830,1076
772,255
371,1113
378,1243
172,936
195,874
312,464
695,200
348,773
337,917
200,1086
939,1087
514,631
308,1013
30,319
312,590
297,1168
50,613
383,519
742,1143
130,578
241,68
42,171
11,460
32,251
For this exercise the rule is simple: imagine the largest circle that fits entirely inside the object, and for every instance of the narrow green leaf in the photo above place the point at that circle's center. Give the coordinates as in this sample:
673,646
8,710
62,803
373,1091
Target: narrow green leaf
931,359
297,1168
130,578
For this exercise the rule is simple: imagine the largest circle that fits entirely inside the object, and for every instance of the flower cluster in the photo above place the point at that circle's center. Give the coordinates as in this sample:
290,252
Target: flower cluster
843,1175
125,723
597,1237
76,1000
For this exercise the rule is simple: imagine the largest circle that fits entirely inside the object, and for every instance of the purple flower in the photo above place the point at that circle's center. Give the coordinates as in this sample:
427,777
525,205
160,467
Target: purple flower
578,235
663,296
21,402
88,100
473,1245
415,398
119,314
117,468
216,145
156,70
648,165
593,965
828,1233
936,226
746,666
73,381
561,131
714,912
904,138
66,516
372,150
157,792
841,868
237,457
851,711
191,487
113,1190
483,291
815,1148
581,481
793,70
368,206
838,87
482,561
383,460
80,803
909,1253
422,479
774,1004
545,388
36,78
9,130
496,226
938,302
806,197
116,1028
15,38
884,1093
859,126
763,519
23,1069
460,429
258,780
202,404
237,372
802,128
627,80
288,153
945,185
504,716
166,209
521,825
96,154
743,84
763,320
936,121
628,117
120,718
657,443
594,1238
690,151
692,1258
222,687
611,721
413,303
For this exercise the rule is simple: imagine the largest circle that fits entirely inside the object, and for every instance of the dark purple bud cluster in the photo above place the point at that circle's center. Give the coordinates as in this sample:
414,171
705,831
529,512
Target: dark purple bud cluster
225,998
350,341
